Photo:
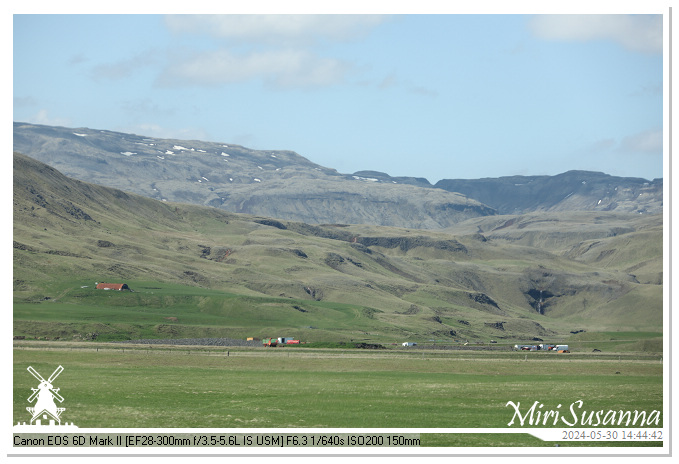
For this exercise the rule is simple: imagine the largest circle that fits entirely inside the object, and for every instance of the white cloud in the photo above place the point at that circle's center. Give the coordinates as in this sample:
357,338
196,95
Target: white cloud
124,68
652,90
391,81
387,82
282,68
639,33
277,28
647,142
603,145
77,59
422,90
278,49
42,117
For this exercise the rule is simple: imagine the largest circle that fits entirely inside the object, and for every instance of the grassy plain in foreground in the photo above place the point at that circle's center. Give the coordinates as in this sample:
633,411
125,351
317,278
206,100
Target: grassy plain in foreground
172,387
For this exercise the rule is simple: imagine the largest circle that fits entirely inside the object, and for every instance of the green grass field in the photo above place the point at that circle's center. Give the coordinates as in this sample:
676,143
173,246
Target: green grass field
109,386
155,310
174,311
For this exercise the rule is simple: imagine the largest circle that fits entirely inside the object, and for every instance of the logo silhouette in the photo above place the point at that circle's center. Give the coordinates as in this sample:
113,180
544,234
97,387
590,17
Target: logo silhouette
45,406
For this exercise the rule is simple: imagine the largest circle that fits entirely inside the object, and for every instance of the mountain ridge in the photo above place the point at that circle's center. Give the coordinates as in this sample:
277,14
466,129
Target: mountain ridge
270,183
283,184
574,190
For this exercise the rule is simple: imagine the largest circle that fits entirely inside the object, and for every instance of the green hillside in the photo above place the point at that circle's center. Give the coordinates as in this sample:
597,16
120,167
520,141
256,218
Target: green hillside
203,272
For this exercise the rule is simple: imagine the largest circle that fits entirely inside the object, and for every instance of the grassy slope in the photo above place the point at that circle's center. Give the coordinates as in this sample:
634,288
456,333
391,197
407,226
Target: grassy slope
288,277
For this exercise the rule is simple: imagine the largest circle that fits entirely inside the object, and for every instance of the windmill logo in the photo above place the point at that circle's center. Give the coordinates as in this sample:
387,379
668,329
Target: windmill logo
44,396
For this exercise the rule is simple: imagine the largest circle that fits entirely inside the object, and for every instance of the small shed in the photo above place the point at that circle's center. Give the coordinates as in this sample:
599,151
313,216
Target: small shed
112,287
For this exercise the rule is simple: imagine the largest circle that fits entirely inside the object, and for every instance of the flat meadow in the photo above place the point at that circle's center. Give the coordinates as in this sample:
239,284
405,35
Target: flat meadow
134,386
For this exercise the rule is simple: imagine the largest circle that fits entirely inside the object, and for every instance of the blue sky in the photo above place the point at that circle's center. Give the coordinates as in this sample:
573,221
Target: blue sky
439,96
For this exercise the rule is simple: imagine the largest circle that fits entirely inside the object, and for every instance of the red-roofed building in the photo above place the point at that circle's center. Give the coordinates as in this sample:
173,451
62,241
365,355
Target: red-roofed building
112,287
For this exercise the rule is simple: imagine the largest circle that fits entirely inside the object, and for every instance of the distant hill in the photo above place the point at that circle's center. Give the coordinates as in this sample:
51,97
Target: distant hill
570,191
285,185
273,183
199,271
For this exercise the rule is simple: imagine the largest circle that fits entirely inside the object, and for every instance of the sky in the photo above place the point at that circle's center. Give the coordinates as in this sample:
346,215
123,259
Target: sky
440,96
